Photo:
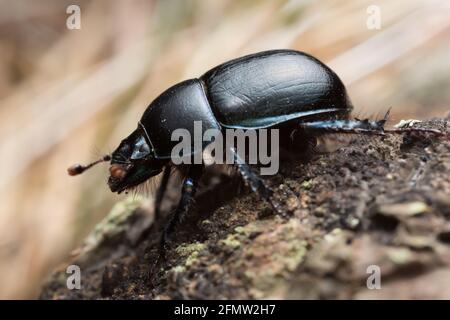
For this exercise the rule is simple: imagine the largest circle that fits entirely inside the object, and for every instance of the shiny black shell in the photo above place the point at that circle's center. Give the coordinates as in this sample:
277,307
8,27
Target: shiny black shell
261,90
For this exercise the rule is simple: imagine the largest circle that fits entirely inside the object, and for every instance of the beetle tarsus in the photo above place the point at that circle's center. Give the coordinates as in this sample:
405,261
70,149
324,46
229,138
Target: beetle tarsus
416,130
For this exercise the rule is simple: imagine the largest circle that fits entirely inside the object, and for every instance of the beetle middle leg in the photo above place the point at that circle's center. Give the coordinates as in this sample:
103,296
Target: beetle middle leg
255,182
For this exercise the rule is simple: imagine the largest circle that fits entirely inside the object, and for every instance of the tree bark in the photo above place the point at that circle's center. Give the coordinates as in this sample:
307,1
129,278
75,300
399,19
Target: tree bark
372,214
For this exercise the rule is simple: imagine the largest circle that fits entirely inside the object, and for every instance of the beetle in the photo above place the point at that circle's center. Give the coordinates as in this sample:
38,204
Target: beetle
286,90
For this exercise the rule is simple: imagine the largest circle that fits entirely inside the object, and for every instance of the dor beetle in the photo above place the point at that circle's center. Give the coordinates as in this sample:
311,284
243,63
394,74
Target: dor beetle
283,89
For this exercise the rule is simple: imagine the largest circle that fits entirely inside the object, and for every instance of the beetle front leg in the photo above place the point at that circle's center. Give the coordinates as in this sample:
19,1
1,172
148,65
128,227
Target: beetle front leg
161,191
255,182
187,199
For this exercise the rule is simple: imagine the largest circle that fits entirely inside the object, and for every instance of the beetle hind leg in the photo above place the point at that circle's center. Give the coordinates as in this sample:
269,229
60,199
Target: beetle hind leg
345,126
358,126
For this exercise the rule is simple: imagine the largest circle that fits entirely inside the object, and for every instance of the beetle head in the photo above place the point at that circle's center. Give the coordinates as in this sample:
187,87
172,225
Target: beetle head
132,163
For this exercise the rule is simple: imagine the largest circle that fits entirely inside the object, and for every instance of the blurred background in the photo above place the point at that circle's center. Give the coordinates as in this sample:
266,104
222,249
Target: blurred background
70,96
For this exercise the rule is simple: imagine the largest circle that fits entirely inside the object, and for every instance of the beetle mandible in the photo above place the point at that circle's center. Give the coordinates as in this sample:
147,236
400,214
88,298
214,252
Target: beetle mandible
283,89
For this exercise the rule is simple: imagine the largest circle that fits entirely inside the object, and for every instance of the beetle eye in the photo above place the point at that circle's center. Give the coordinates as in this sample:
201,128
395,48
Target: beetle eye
141,149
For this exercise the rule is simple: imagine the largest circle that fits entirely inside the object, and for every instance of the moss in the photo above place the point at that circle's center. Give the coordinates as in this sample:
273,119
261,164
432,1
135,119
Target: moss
191,251
307,184
270,258
116,221
294,255
191,259
188,249
178,269
252,228
232,241
240,229
243,233
404,209
400,256
295,248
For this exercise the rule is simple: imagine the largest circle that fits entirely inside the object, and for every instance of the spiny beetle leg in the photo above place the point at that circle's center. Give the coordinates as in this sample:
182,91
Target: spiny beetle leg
366,126
346,126
256,183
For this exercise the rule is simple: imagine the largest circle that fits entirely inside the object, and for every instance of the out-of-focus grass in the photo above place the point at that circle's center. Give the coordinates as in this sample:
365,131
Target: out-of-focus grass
71,95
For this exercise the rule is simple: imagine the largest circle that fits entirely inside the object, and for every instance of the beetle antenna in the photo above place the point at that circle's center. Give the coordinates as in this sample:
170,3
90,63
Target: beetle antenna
78,168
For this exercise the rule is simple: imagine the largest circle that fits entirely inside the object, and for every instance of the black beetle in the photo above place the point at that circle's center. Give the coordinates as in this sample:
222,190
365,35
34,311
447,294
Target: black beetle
283,89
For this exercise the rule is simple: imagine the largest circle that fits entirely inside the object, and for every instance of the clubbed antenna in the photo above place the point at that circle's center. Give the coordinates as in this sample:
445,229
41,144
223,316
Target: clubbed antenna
78,168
